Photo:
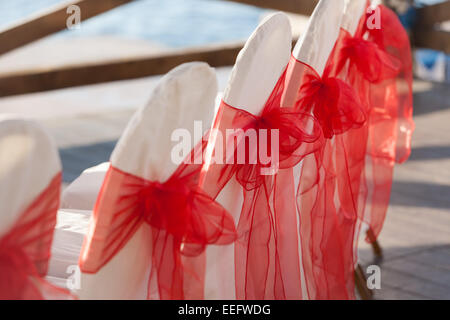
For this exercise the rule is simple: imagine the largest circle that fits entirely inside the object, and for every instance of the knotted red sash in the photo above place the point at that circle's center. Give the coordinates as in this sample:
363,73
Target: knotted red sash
371,70
266,250
25,250
398,96
366,66
389,98
325,200
183,219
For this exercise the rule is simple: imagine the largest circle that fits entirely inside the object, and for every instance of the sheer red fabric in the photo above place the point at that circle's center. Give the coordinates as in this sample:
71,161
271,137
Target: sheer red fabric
266,250
25,250
332,190
183,220
328,185
390,121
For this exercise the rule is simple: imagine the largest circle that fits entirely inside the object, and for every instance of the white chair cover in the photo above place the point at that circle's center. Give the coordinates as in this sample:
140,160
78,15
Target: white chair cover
313,48
258,68
354,10
184,95
29,163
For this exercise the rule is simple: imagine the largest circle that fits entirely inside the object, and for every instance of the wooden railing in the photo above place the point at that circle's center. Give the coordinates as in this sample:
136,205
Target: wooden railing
425,34
51,21
427,31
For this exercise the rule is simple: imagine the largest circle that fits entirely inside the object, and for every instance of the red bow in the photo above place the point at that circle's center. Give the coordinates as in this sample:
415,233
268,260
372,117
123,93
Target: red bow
370,58
267,246
390,124
374,63
186,213
391,35
184,219
325,249
295,140
334,103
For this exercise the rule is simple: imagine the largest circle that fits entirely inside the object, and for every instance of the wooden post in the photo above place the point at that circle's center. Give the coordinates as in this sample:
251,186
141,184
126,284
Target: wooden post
433,14
29,81
50,21
374,243
37,80
433,39
426,33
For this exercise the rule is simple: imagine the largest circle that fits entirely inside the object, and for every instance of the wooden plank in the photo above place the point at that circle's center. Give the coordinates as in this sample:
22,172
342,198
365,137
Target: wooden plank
51,21
29,81
433,39
305,7
432,14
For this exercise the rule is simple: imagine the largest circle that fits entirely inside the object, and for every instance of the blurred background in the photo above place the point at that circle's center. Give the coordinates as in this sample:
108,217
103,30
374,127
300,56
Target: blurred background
86,121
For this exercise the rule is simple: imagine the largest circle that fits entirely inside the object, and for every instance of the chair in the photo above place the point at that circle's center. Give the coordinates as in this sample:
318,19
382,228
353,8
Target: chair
323,232
184,95
249,86
257,70
30,182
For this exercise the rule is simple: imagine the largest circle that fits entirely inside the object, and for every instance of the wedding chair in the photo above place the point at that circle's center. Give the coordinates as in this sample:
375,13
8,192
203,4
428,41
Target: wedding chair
354,15
30,182
324,199
257,71
331,200
184,96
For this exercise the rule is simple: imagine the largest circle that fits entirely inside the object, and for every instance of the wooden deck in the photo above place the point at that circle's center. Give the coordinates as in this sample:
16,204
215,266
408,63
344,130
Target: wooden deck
416,236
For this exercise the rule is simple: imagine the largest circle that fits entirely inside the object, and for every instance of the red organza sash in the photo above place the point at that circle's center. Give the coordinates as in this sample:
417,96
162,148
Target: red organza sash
183,220
332,189
390,120
266,250
339,188
394,40
25,250
326,199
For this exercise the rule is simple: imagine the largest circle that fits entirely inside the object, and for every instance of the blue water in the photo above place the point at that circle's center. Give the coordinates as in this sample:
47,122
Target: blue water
173,23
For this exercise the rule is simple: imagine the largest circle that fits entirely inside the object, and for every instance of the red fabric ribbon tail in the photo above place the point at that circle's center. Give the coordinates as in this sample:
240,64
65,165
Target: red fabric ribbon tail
25,250
287,236
254,248
325,254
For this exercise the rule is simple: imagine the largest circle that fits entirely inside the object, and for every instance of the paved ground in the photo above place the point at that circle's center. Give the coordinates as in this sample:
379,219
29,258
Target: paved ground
416,236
